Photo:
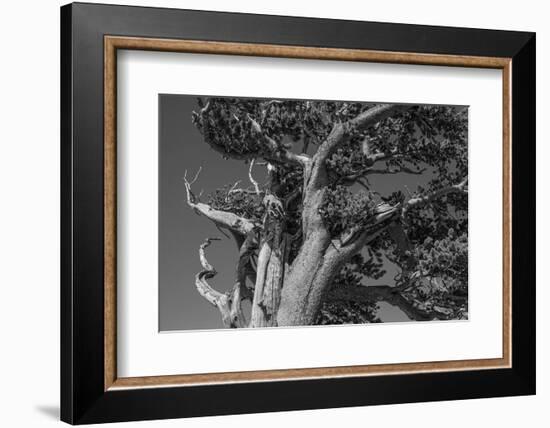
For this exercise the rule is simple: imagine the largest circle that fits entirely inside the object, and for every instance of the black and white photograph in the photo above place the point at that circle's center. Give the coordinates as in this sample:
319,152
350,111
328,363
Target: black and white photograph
292,212
247,214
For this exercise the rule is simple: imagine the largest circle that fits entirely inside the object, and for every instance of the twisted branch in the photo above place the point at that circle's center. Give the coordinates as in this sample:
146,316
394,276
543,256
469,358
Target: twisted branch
229,304
214,297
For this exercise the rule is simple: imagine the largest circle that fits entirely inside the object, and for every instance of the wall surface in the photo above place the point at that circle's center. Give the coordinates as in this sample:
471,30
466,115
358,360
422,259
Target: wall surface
29,218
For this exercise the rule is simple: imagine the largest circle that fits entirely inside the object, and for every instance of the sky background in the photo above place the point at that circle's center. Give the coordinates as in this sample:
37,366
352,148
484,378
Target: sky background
181,230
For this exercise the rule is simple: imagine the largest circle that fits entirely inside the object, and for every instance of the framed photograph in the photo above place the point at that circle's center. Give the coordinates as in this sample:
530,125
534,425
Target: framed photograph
266,213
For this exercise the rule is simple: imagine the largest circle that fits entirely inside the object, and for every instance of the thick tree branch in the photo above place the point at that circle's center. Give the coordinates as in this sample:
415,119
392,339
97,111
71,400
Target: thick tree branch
214,297
341,132
223,219
315,174
375,114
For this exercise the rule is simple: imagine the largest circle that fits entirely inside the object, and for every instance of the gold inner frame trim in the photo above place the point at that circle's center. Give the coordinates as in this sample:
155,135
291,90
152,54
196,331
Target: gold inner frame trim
113,43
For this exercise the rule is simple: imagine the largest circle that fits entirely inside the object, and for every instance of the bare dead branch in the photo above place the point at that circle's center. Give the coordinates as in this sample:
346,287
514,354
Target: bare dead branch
190,195
232,189
246,191
214,297
224,219
254,182
229,304
422,200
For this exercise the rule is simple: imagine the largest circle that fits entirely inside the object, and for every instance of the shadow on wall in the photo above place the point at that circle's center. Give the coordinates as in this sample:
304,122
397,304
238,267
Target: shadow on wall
51,411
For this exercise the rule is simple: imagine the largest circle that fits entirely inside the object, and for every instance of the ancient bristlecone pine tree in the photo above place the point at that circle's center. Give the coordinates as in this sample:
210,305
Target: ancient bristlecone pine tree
310,237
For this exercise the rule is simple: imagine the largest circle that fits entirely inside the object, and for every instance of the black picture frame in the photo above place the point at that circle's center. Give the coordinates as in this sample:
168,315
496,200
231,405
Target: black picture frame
83,396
